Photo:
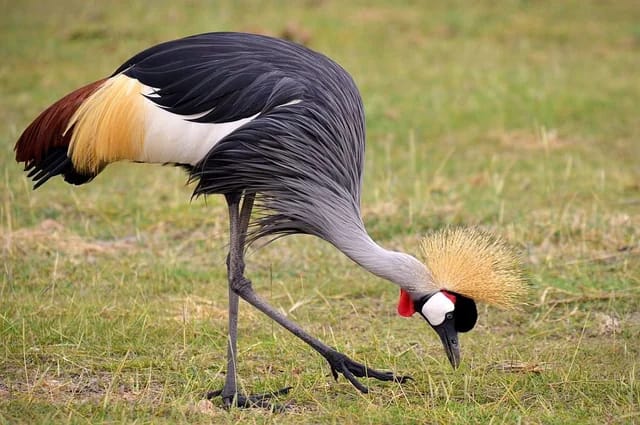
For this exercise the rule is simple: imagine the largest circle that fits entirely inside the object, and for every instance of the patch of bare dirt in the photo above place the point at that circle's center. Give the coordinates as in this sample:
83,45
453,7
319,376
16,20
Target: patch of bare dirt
52,236
204,407
606,324
196,308
82,389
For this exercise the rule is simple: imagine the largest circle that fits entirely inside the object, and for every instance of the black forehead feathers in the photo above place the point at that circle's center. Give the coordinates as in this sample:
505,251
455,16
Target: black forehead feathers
466,313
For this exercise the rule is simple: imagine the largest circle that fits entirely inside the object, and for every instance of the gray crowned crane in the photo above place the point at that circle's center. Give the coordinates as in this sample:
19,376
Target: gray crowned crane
269,123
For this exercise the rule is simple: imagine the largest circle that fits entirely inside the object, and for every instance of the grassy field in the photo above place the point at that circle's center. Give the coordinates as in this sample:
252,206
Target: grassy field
518,116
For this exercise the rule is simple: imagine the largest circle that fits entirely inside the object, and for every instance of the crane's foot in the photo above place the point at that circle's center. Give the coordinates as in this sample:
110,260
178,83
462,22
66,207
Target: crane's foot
352,370
262,401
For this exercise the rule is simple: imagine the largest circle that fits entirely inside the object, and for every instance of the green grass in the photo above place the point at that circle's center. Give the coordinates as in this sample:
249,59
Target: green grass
518,116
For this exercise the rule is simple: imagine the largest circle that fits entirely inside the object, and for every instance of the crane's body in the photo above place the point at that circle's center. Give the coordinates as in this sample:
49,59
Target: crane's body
255,119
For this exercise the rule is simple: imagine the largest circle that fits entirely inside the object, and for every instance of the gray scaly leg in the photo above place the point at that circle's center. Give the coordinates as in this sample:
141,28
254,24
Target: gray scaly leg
238,223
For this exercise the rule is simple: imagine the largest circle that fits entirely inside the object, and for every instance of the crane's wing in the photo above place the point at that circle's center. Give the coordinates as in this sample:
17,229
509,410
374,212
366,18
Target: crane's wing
216,77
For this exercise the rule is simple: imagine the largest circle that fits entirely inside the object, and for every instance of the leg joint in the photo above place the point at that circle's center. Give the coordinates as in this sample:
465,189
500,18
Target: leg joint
241,285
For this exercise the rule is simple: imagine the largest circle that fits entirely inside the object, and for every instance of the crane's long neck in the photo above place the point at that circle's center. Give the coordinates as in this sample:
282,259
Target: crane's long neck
402,269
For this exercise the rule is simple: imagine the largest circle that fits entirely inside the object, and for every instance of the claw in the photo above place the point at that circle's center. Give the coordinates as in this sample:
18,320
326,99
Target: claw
334,372
352,370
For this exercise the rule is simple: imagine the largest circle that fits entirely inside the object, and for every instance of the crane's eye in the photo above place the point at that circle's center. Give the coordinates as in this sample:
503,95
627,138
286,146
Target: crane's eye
449,316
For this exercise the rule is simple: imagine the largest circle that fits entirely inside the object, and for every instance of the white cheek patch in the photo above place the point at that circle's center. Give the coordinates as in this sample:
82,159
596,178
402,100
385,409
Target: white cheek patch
436,308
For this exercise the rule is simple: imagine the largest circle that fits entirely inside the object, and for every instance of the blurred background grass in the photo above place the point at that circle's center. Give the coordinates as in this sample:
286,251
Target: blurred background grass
519,116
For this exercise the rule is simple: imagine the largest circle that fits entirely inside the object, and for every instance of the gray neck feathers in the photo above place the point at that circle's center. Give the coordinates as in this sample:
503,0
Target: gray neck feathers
402,269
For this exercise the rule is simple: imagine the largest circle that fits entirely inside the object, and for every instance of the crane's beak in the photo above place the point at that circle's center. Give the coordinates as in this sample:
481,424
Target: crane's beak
449,337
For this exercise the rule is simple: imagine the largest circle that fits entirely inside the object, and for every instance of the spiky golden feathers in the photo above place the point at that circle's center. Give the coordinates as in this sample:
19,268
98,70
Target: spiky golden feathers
476,264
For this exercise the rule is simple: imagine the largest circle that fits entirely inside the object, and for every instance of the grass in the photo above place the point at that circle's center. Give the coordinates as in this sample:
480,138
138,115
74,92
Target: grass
517,116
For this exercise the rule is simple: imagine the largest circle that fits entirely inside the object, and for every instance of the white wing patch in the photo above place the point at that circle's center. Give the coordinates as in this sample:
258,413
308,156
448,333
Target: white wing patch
171,138
436,308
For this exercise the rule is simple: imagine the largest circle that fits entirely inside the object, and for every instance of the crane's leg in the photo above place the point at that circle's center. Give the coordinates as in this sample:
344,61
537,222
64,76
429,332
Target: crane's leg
230,389
242,287
340,363
238,223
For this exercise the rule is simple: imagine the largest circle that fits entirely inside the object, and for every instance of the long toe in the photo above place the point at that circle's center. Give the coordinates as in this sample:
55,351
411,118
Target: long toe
341,364
385,375
262,401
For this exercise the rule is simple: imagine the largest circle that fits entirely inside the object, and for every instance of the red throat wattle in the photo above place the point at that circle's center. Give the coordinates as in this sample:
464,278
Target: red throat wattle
405,304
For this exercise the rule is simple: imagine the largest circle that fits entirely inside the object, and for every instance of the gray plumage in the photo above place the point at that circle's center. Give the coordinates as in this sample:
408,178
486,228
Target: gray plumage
303,155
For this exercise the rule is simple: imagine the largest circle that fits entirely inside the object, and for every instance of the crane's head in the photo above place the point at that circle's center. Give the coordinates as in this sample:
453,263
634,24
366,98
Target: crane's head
467,266
448,313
